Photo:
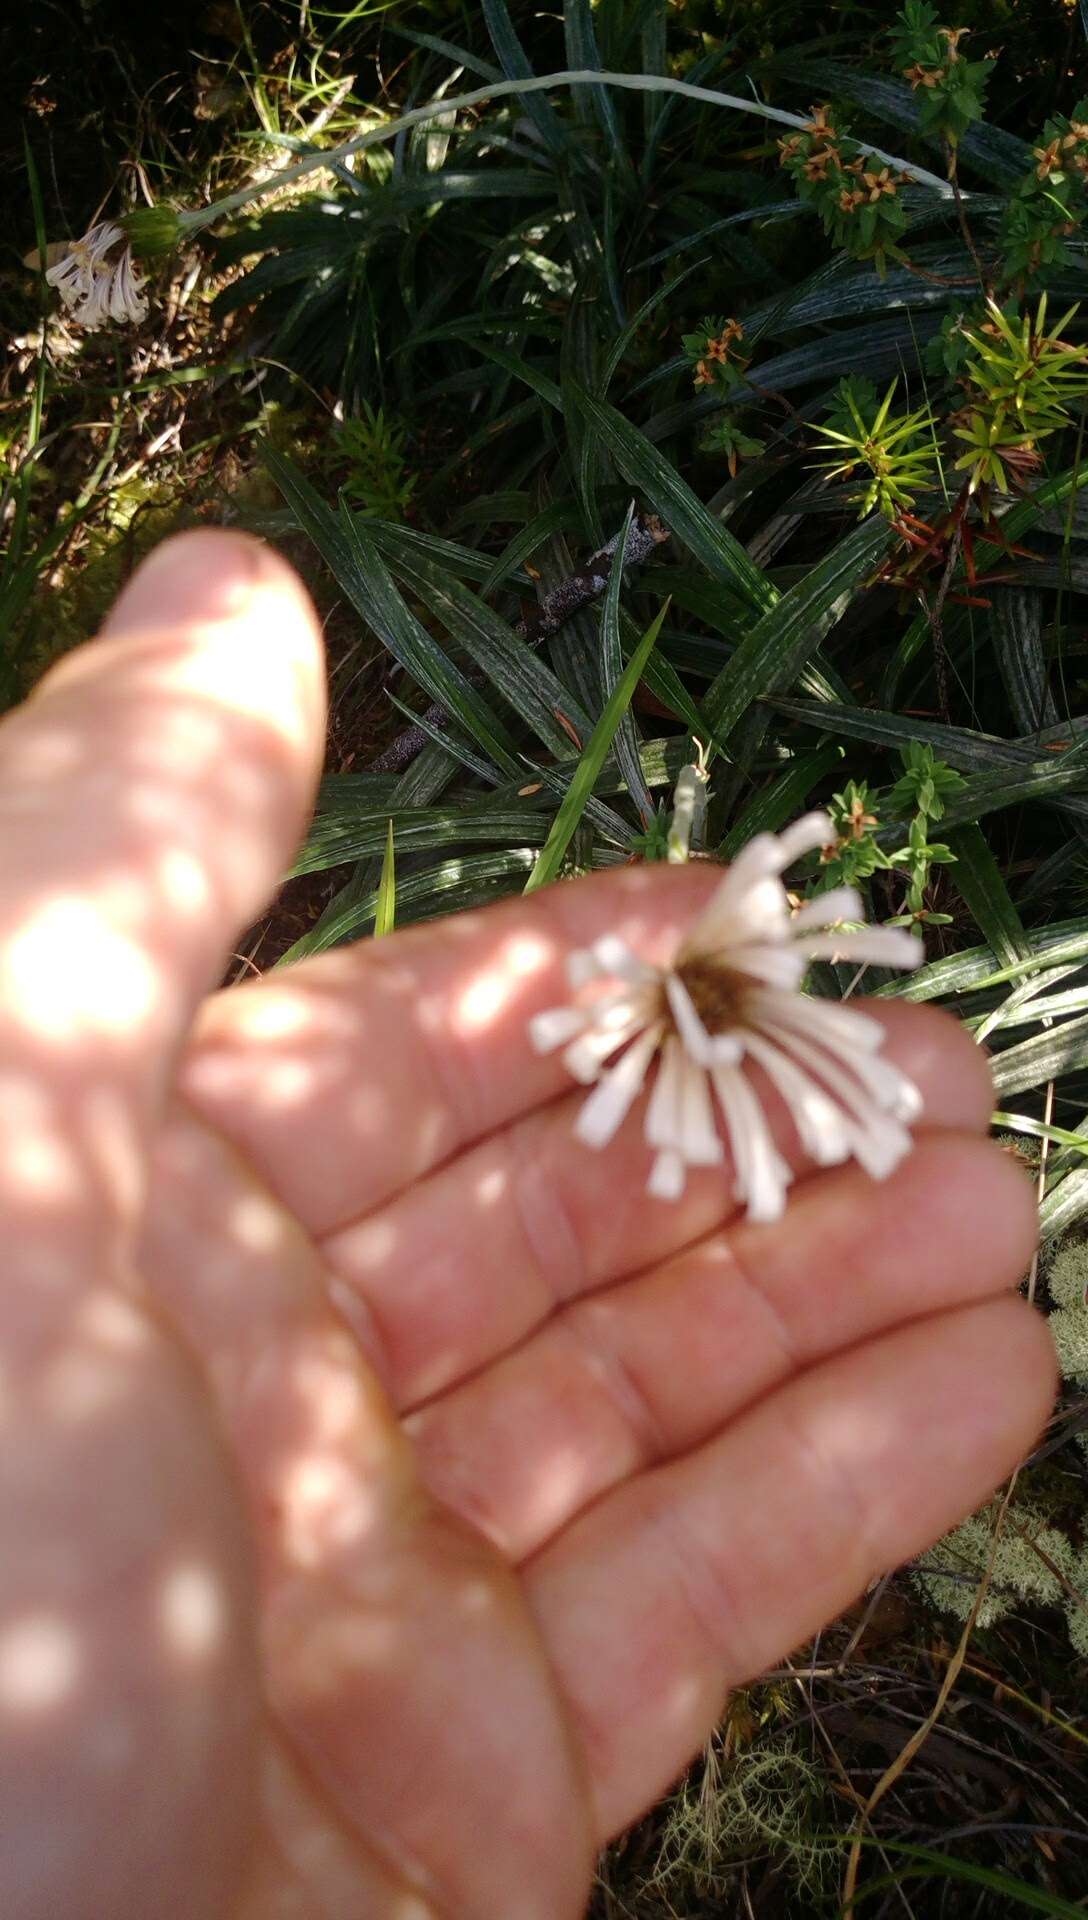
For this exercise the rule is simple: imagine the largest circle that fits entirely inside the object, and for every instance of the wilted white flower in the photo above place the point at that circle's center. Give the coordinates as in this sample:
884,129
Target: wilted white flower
729,1000
95,282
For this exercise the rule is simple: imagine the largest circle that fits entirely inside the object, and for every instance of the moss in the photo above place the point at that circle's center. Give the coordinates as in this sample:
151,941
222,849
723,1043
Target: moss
951,1571
1067,1280
770,1796
1076,1603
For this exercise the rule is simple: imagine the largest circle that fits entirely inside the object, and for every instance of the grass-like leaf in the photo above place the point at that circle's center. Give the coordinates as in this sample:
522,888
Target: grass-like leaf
773,654
592,760
681,510
385,913
979,881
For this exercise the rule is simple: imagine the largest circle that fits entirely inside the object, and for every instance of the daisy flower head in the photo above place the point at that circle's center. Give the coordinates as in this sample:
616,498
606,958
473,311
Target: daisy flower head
730,1000
96,282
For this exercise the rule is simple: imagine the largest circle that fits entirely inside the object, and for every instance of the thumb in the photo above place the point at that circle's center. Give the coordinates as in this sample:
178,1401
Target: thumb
151,791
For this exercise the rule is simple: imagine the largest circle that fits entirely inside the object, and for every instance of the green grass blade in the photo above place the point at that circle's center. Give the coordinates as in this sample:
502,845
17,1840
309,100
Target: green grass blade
781,800
1016,629
385,912
333,842
448,888
511,665
582,52
359,570
773,654
977,878
927,1863
515,64
1046,1056
626,740
592,760
1060,1136
673,500
1065,1204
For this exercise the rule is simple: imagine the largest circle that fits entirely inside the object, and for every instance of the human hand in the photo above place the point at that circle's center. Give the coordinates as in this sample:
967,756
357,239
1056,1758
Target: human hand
389,1491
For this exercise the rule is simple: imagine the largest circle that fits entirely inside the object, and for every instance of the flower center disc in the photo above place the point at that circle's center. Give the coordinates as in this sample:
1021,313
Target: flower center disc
716,994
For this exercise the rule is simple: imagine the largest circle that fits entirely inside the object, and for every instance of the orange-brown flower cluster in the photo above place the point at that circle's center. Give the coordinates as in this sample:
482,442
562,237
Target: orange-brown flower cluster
718,350
1068,150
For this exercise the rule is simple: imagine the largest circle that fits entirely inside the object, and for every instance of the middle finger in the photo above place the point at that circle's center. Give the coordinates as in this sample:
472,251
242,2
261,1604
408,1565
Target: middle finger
629,1377
469,1262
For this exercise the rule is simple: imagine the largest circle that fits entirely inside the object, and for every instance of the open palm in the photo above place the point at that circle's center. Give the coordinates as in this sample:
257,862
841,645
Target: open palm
390,1492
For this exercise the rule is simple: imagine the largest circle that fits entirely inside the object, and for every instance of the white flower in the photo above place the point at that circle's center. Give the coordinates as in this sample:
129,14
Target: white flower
96,287
730,999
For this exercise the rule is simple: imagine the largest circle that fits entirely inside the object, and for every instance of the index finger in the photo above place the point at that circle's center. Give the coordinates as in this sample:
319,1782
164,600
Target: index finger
352,1076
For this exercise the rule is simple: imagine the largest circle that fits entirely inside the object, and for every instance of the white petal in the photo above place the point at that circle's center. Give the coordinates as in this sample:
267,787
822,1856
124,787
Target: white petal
844,1028
699,1140
582,967
663,1115
873,946
750,904
614,956
689,1026
779,966
762,1176
822,1128
94,311
888,1086
878,1140
839,903
607,1107
617,1010
726,1049
100,239
807,835
126,299
586,1055
807,1023
667,1176
555,1026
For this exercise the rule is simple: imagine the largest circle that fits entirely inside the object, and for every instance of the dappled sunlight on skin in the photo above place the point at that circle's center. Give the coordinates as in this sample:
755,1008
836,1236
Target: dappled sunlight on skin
515,1505
40,1661
309,1867
422,1323
633,1374
40,1167
282,1013
192,1611
491,1186
416,1046
373,1243
487,997
223,1533
323,1507
363,1580
256,1223
707,1567
563,1224
80,1386
109,1319
66,973
182,882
